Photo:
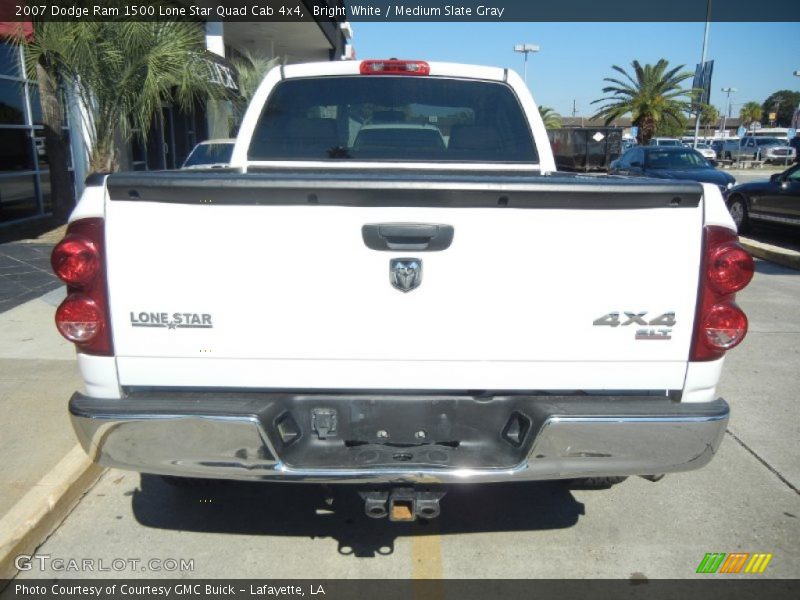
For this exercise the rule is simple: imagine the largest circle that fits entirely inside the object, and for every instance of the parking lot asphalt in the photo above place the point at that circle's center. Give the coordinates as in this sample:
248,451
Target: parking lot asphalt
746,500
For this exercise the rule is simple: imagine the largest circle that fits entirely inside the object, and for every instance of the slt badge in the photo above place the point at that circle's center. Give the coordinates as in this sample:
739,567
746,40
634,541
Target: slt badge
405,273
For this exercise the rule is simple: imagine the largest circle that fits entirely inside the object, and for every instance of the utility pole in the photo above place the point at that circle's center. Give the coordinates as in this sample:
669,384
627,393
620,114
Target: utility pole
728,91
574,109
526,49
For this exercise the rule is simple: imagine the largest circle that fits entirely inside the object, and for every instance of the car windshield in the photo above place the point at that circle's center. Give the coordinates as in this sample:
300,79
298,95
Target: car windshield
688,159
210,154
392,118
768,141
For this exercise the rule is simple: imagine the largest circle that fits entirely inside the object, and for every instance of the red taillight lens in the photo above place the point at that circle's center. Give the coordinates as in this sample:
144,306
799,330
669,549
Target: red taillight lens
730,268
76,261
727,268
79,319
724,326
393,66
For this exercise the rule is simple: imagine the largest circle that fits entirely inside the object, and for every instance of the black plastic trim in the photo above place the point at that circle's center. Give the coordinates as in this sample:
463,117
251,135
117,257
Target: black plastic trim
417,237
386,188
95,179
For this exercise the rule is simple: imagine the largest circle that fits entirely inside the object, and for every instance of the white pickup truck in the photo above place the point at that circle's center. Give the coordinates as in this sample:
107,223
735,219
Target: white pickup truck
391,286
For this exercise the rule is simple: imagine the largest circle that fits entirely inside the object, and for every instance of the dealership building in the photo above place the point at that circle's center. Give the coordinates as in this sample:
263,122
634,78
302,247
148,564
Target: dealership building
24,174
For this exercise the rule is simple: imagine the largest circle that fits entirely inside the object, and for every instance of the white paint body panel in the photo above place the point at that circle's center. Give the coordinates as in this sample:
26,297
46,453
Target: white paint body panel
298,301
297,288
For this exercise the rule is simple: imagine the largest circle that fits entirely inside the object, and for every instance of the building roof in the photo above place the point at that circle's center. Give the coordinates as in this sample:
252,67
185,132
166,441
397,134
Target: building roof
730,123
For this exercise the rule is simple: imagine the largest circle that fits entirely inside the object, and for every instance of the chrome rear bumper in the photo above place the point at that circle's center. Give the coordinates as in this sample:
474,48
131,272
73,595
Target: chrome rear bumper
238,436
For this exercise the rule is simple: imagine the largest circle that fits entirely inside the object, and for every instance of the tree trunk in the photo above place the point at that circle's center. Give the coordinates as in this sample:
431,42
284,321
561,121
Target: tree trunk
61,190
647,129
103,157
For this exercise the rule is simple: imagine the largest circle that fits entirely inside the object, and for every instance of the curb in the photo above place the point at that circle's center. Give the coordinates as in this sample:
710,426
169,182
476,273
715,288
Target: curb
781,256
39,512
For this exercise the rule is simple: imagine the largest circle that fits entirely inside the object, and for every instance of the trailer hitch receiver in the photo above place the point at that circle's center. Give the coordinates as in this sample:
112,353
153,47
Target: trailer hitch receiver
402,504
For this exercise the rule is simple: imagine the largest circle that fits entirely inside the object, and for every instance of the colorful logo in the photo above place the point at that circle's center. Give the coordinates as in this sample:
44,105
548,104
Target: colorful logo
736,562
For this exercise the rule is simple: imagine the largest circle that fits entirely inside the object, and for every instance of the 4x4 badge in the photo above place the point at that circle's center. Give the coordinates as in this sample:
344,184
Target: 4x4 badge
405,273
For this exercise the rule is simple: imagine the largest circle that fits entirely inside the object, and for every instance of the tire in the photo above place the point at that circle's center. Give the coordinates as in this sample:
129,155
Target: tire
594,483
728,156
738,209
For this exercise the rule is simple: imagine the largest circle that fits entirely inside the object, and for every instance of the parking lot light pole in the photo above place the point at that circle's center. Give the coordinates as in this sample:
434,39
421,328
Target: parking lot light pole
726,115
702,66
526,49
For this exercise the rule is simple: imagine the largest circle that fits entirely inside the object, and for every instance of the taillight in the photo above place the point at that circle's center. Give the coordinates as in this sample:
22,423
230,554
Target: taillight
730,268
724,326
79,262
75,260
79,319
727,268
393,66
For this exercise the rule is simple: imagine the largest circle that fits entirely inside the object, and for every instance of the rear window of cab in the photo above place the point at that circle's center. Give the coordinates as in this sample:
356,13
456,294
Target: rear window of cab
394,118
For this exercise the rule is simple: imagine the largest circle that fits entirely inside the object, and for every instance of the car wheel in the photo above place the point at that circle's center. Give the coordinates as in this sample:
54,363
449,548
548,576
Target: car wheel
738,209
728,156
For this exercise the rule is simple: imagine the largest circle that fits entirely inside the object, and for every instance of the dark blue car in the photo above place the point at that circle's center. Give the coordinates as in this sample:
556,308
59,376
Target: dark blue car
775,201
670,162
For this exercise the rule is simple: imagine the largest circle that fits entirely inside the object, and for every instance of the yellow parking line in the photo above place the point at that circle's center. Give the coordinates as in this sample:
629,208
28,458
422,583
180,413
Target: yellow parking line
426,552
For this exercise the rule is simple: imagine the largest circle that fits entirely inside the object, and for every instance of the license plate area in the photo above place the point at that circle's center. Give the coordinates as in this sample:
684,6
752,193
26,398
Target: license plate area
401,432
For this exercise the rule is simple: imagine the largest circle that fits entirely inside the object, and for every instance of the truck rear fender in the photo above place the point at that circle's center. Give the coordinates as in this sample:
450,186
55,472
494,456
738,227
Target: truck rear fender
702,377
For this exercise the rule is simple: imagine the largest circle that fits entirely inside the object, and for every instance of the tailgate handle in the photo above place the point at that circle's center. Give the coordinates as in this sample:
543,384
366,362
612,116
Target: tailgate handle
420,237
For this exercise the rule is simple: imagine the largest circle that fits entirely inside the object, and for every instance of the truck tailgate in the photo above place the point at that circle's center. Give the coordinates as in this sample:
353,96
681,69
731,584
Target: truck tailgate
266,281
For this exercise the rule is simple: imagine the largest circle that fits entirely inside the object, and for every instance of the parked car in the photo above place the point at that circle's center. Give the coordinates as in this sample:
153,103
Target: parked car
383,139
768,149
706,150
776,200
664,141
211,154
664,162
716,146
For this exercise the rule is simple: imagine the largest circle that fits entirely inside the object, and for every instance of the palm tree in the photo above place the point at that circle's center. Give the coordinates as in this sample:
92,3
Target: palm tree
250,71
44,54
652,95
552,120
709,116
750,113
123,72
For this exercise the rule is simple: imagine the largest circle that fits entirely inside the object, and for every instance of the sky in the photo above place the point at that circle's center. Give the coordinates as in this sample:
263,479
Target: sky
755,58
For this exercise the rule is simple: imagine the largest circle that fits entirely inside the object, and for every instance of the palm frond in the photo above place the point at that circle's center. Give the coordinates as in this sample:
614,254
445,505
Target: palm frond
651,94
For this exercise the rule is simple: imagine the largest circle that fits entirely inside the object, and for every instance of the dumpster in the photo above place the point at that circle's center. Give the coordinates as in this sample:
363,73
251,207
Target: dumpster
585,148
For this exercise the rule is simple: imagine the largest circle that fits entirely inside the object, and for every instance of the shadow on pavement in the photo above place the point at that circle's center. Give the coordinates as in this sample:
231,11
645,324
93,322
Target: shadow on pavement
764,267
783,237
289,509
